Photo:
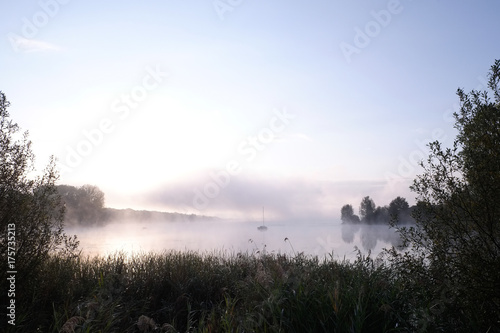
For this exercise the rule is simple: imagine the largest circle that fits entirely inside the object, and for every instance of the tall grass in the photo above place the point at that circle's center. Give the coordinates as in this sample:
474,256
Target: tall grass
212,292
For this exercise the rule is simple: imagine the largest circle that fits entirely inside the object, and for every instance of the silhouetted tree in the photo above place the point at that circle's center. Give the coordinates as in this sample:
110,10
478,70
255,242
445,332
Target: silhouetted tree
84,205
30,206
91,203
456,244
399,210
367,210
347,215
381,215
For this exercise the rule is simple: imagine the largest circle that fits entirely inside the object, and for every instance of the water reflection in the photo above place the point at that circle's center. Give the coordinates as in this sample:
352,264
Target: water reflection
369,235
317,238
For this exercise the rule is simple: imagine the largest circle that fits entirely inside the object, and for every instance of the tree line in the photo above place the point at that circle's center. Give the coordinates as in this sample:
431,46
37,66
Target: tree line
85,206
398,211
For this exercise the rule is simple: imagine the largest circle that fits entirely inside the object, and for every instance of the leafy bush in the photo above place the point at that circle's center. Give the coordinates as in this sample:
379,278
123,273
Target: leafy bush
455,248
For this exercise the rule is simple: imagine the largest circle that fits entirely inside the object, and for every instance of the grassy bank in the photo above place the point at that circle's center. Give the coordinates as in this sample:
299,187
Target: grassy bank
195,292
187,291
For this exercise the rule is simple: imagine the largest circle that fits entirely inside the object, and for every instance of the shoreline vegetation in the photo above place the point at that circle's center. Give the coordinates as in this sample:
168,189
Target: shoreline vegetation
84,206
213,292
398,212
445,280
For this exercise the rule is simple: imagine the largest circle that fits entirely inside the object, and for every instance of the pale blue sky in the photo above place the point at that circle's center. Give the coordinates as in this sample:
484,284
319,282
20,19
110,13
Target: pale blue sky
359,120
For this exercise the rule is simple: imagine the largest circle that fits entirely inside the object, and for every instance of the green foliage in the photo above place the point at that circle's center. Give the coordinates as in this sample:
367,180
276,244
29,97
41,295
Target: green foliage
31,204
456,243
84,205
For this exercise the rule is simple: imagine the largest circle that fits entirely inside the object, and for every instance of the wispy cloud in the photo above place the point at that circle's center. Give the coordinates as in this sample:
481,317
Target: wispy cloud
26,45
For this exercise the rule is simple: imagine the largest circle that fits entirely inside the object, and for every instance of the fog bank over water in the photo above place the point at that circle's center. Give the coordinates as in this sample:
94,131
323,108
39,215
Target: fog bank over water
312,238
242,197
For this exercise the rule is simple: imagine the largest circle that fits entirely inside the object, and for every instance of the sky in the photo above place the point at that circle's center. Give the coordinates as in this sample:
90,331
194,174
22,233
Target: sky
221,107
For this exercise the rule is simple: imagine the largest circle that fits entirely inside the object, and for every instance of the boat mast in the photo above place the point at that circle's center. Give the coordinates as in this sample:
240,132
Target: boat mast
262,227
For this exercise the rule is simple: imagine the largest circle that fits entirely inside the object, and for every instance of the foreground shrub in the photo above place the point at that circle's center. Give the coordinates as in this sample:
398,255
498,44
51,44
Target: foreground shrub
454,259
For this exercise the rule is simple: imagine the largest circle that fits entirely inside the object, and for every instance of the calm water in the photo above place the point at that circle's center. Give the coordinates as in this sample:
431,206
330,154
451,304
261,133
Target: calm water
312,238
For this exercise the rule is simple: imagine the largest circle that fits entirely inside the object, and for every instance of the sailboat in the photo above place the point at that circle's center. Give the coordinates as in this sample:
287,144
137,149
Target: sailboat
262,227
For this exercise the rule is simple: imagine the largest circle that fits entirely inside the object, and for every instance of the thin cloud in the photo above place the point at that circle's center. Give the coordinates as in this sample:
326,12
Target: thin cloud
302,137
25,45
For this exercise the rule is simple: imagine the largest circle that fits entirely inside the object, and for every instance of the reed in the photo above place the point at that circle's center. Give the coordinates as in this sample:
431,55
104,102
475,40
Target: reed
214,292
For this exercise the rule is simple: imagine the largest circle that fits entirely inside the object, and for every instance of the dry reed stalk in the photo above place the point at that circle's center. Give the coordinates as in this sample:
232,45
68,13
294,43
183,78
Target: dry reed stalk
146,324
70,325
262,276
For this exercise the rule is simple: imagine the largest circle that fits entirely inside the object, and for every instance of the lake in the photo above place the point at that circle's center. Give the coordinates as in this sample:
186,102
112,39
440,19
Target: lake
311,238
